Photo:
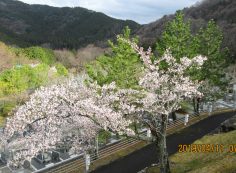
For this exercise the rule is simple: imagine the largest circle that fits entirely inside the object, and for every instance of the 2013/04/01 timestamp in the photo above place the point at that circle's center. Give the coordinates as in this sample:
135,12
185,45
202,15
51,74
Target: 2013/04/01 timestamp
206,148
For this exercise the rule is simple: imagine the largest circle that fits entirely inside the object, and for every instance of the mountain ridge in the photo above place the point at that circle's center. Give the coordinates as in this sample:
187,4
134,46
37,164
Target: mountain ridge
63,27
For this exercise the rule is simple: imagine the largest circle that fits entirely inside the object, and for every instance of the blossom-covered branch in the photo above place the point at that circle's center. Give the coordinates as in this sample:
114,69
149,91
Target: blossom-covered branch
71,109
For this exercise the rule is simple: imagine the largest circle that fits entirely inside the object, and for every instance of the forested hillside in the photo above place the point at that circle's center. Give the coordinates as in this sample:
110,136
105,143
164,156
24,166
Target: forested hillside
223,12
27,25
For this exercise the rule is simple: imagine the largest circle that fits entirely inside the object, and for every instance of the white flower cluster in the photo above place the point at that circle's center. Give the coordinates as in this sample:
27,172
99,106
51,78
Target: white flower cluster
166,88
76,111
68,110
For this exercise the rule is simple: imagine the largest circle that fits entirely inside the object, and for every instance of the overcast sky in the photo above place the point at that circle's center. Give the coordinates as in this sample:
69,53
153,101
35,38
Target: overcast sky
141,11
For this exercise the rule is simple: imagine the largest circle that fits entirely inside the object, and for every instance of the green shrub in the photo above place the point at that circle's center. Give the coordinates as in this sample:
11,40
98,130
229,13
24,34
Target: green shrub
44,55
39,76
3,87
6,107
14,79
25,77
61,70
22,78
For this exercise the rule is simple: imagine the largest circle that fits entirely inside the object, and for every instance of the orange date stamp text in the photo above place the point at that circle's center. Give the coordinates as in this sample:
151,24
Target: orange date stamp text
206,148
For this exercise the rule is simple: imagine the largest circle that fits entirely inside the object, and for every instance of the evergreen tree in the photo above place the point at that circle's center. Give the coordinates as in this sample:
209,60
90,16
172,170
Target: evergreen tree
178,39
213,71
122,65
210,41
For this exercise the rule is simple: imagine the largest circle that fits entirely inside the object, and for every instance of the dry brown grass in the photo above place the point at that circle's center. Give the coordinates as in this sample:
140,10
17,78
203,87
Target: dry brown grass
66,57
8,59
81,57
89,53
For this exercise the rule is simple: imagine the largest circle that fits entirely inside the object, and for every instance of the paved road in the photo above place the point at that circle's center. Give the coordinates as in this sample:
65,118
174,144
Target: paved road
147,155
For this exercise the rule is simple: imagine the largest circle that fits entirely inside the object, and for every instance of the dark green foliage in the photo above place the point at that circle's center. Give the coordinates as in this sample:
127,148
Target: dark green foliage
210,40
123,65
177,38
207,42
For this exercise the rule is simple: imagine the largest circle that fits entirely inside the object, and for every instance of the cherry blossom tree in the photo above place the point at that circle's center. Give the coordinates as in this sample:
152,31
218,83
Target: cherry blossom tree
77,109
163,89
71,110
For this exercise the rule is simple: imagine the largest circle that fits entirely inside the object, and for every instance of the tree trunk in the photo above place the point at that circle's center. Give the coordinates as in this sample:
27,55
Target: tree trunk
173,116
162,148
194,105
198,103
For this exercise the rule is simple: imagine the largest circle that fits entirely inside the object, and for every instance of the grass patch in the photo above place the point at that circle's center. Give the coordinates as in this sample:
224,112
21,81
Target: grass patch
202,162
